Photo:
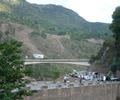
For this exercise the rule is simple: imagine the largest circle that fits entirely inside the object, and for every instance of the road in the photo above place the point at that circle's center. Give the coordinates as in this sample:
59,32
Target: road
39,85
83,62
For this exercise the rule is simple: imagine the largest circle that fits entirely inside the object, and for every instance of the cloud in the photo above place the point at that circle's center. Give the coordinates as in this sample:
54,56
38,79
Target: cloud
94,10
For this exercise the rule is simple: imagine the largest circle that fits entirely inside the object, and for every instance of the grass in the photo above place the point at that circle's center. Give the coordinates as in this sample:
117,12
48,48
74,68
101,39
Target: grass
52,71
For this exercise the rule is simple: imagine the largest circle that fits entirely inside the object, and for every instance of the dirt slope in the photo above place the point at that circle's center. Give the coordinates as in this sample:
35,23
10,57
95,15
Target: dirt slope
21,33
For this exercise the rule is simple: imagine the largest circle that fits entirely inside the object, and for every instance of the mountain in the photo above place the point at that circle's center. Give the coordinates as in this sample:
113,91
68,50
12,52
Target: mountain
56,31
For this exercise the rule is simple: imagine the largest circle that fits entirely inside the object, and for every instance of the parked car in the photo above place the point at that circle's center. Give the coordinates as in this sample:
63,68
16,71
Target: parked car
115,79
88,77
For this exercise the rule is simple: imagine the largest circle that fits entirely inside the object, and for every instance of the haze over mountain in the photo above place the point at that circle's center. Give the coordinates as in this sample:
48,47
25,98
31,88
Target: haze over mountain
53,30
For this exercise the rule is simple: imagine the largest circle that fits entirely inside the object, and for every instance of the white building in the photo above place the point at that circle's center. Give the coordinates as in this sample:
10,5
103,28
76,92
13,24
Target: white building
38,56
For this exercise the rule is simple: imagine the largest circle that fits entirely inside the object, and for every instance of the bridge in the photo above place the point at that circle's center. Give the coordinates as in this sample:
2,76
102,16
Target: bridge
83,62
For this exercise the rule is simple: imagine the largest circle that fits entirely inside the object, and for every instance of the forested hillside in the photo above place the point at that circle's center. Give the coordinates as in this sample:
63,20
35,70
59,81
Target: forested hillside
109,55
53,30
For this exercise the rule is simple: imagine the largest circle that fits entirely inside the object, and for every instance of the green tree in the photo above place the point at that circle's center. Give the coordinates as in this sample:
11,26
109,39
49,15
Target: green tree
115,27
12,71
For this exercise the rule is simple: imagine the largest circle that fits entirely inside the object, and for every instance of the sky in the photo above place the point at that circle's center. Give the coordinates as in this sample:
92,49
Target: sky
91,10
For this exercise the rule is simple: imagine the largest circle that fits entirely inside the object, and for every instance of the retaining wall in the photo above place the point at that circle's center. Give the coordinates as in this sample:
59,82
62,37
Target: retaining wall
93,92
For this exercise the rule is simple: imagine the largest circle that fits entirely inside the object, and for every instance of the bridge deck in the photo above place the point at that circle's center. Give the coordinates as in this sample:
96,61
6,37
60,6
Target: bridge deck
59,61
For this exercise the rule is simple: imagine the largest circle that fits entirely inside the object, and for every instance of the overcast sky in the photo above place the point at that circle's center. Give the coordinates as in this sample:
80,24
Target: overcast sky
91,10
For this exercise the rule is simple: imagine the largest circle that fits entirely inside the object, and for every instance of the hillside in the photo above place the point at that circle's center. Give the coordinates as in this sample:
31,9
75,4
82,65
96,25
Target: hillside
53,30
105,56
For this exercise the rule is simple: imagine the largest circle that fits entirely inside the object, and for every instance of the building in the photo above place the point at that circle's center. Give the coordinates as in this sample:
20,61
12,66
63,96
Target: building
38,56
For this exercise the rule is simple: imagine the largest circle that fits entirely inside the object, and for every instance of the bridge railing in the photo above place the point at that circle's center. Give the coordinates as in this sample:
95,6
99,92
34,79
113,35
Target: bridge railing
56,60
